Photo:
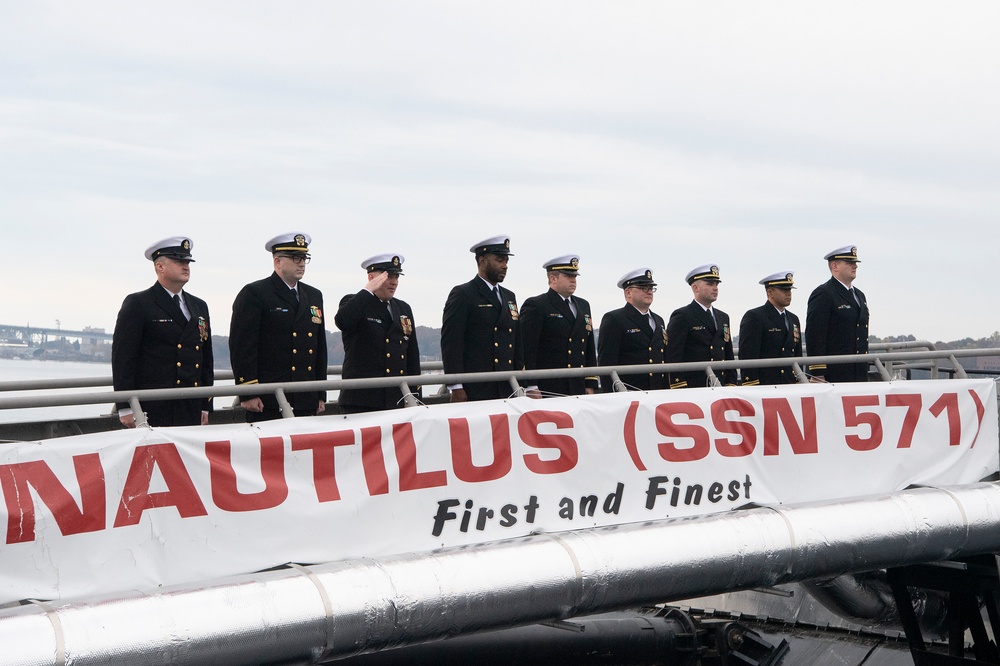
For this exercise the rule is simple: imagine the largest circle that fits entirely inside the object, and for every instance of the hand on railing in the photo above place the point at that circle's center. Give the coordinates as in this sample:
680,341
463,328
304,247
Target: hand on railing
253,405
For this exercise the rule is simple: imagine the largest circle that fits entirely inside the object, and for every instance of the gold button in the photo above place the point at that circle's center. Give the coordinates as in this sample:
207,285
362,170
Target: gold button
178,382
510,346
387,341
180,346
494,329
496,344
310,351
309,368
197,348
310,334
496,360
387,355
400,372
293,368
196,383
178,364
387,371
295,351
196,366
294,334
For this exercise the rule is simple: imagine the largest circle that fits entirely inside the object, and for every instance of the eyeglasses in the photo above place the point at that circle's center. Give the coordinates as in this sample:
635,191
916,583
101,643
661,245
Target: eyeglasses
297,258
648,290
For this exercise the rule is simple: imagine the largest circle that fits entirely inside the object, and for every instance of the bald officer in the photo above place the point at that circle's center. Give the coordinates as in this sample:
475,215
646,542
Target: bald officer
634,334
379,336
277,332
163,339
558,331
837,320
771,331
479,329
699,331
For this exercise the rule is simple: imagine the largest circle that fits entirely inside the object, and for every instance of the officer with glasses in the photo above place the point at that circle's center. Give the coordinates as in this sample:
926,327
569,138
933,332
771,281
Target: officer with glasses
278,332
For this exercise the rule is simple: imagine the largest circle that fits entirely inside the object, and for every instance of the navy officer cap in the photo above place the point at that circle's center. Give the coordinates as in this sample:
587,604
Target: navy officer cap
846,253
640,277
568,264
294,241
389,263
175,247
782,280
496,245
703,272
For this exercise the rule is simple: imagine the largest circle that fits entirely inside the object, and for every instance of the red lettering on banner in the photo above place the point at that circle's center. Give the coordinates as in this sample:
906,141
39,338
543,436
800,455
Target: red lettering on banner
912,402
406,458
461,450
373,460
323,446
949,402
802,441
669,451
746,431
630,444
854,419
569,450
980,413
180,492
90,517
225,491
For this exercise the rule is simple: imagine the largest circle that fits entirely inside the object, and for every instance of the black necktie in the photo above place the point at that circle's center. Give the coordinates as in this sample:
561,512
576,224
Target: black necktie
295,294
652,322
711,315
177,300
854,295
572,308
784,319
496,295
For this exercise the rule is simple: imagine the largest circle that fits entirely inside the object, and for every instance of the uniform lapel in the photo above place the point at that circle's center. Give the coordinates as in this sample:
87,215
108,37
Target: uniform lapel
560,304
168,305
640,320
484,292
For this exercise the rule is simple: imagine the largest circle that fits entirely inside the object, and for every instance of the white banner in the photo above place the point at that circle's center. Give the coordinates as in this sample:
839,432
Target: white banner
143,508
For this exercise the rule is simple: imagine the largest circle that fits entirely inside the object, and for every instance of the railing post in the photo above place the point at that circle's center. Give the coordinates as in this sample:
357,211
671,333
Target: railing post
799,375
140,416
712,379
959,370
409,399
286,409
617,385
518,390
882,370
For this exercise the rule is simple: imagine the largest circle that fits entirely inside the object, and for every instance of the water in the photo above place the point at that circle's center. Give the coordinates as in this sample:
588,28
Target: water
12,370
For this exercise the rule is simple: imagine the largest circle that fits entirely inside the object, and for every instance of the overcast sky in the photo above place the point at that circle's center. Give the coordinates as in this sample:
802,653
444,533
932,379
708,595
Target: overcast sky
754,135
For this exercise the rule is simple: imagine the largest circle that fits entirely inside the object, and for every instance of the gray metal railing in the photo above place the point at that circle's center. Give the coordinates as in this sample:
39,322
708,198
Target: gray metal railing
884,361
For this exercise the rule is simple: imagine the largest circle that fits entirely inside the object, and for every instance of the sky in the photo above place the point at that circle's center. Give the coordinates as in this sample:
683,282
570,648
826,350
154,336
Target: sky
756,136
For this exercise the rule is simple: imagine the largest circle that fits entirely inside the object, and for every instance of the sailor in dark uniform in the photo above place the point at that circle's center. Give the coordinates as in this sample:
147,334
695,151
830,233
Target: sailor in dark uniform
379,337
558,331
163,339
700,332
277,332
771,331
633,334
479,329
837,320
